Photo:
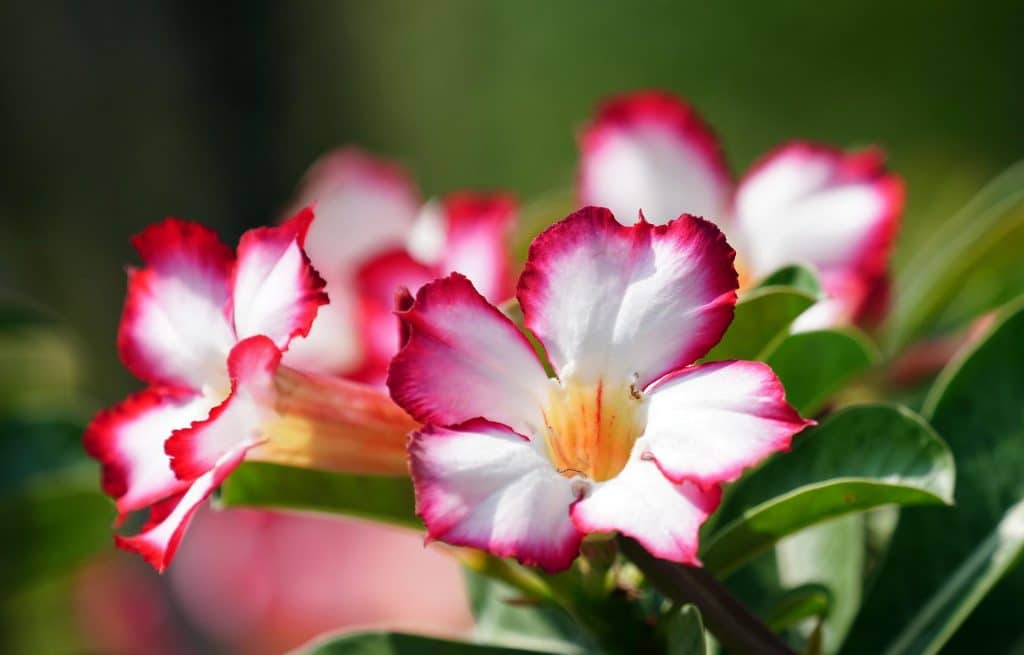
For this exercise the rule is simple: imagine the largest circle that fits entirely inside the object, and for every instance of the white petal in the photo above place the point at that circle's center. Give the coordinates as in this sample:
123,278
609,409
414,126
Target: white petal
627,304
642,503
650,151
482,485
708,423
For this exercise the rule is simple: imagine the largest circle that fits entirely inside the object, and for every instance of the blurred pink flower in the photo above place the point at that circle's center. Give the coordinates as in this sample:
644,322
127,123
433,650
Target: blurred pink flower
803,203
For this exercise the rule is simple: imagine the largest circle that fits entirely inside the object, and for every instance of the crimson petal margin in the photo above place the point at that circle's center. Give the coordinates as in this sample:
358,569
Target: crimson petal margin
706,424
616,303
159,540
465,359
239,419
480,484
807,202
378,282
651,151
478,229
174,330
128,441
642,503
276,291
364,206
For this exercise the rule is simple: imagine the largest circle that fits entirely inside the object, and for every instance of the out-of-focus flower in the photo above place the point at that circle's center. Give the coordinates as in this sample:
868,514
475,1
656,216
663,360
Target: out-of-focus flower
293,576
206,329
802,203
372,235
628,437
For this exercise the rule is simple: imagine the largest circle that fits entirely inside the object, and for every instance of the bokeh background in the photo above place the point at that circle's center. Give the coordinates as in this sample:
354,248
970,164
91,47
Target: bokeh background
115,114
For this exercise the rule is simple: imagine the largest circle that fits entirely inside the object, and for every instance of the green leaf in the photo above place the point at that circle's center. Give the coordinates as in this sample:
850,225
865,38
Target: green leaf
860,457
830,555
396,643
799,276
503,617
796,604
815,365
388,499
961,246
960,595
976,404
684,632
763,316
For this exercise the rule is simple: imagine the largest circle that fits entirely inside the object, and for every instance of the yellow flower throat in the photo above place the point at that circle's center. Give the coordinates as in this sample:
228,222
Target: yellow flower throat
590,429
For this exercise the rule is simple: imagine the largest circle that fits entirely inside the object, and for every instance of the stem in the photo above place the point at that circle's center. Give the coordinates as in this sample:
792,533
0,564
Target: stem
611,620
529,583
736,628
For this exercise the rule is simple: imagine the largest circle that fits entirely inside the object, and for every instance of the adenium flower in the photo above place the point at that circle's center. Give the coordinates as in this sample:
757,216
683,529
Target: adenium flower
374,235
802,203
630,435
206,329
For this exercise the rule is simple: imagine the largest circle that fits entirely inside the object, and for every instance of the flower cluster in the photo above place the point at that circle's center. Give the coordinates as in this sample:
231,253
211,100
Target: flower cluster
803,203
239,352
596,415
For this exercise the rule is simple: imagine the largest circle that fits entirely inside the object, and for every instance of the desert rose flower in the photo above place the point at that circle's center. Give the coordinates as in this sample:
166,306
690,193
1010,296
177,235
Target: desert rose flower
802,203
206,329
629,436
373,234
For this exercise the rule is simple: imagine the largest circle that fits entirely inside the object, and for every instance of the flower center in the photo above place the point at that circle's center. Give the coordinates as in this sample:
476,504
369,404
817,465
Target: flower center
590,428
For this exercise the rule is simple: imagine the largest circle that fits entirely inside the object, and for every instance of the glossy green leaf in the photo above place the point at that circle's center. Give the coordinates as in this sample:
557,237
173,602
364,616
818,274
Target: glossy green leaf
815,365
976,405
388,499
798,276
684,632
396,643
966,587
858,458
503,617
763,316
960,247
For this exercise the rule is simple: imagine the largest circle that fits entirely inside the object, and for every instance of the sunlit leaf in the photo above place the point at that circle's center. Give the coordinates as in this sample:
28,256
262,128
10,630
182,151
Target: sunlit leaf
858,458
796,275
763,316
815,365
388,499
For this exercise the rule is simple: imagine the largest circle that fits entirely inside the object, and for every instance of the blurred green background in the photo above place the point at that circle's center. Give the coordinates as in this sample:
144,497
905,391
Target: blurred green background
113,115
